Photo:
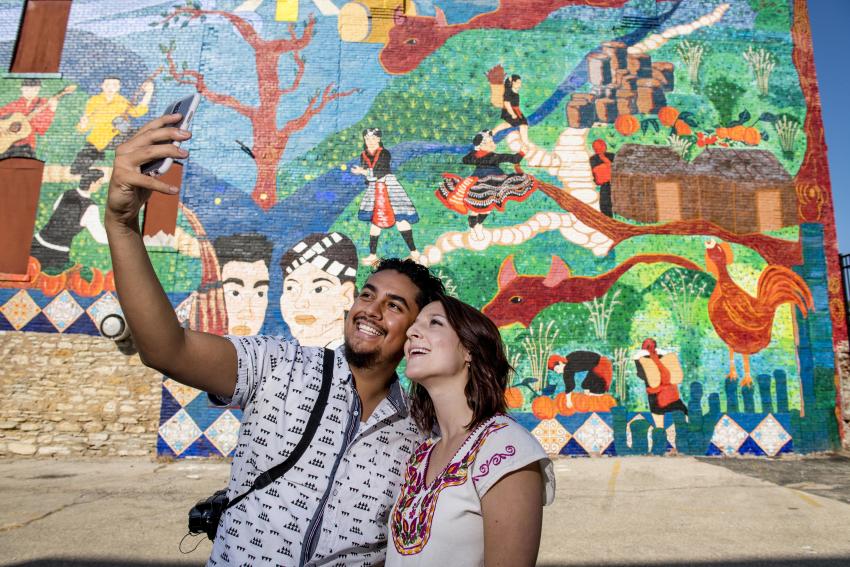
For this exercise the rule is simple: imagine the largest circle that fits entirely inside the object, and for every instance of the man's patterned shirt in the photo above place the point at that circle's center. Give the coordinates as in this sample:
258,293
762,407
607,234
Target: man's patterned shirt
331,508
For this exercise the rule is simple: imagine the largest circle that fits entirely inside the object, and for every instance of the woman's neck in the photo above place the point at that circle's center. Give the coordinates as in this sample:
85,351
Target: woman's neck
451,408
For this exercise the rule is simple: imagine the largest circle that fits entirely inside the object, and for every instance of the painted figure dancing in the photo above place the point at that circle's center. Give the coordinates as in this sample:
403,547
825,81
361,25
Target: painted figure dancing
488,187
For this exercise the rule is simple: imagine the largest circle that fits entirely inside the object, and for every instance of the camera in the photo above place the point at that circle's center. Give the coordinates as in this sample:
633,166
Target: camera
205,515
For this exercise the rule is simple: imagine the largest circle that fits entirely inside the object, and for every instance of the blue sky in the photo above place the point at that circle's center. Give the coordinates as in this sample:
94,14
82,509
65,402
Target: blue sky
829,20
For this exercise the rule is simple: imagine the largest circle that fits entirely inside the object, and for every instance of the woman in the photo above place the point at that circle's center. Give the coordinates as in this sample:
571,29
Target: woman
512,115
473,494
385,202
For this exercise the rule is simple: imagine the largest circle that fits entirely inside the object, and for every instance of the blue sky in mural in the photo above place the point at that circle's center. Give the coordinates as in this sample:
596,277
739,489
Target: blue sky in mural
829,28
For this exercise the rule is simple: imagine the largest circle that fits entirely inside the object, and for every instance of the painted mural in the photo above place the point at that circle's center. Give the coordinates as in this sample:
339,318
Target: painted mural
635,191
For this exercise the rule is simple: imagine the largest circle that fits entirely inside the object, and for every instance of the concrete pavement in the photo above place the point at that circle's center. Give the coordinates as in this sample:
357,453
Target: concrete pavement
627,511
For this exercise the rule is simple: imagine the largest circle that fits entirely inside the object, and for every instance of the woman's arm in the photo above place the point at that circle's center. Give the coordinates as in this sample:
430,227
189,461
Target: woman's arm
513,518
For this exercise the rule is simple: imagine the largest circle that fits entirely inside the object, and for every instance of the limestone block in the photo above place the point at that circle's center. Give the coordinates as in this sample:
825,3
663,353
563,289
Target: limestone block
18,448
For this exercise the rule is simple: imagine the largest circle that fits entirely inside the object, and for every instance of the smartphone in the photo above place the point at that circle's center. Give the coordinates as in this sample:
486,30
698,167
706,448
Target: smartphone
186,107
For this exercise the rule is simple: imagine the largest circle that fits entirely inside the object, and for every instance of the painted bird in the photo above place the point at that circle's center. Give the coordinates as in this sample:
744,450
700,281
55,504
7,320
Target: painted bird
742,321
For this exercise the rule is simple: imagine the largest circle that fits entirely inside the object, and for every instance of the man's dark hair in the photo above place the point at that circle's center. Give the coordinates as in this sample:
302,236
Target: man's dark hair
243,248
488,369
430,286
31,82
90,177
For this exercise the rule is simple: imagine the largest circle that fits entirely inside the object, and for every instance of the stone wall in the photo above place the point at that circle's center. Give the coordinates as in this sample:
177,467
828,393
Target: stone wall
75,395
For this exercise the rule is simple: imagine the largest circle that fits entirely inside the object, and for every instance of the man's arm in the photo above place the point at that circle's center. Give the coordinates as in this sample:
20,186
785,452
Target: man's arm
200,360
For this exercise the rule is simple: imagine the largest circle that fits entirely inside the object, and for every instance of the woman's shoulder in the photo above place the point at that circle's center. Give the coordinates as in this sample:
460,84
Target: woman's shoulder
506,446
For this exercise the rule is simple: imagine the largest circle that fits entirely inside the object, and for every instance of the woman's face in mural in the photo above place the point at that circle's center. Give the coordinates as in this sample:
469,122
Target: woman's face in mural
313,304
246,296
516,84
372,142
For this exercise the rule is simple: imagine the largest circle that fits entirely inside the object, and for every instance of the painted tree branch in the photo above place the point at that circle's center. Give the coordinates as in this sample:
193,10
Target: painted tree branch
301,122
268,140
773,250
196,79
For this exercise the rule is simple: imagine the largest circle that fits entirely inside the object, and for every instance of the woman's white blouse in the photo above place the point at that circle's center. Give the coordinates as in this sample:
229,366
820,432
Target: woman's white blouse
441,523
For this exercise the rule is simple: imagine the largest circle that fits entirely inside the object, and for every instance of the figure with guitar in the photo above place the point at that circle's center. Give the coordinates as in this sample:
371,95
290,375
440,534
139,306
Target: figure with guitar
24,118
103,115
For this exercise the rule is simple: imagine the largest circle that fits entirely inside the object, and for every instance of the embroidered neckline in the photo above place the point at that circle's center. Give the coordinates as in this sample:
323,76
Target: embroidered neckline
414,510
433,444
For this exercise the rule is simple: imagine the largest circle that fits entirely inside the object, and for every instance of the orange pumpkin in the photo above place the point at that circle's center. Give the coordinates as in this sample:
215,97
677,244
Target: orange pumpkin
109,281
79,285
682,128
626,124
51,285
752,136
722,132
514,398
561,404
737,133
543,407
668,115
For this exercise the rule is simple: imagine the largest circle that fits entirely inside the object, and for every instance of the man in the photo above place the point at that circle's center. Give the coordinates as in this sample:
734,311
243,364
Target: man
332,506
244,260
39,113
73,211
319,274
103,114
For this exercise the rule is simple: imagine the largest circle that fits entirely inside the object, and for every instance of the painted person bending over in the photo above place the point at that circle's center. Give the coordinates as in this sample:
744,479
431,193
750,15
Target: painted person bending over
473,493
332,507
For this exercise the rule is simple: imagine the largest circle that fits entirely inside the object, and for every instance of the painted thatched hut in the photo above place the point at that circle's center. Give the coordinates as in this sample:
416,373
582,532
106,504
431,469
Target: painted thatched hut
741,190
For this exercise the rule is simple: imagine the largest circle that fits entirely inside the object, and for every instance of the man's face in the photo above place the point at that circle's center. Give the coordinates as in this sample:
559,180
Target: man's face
488,144
30,92
313,304
246,296
110,86
376,326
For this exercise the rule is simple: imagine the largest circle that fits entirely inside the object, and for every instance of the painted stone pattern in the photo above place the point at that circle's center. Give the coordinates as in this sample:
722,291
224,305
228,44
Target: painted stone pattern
635,191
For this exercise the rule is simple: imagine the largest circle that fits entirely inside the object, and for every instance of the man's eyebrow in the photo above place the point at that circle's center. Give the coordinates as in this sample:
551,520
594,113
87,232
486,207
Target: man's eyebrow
399,299
261,283
237,281
323,279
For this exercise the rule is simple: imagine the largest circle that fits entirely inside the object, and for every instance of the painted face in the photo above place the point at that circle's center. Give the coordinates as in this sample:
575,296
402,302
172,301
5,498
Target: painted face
246,296
110,86
372,142
376,326
30,93
516,85
313,304
433,348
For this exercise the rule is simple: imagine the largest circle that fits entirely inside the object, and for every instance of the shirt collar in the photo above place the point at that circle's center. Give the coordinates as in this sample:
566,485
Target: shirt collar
395,396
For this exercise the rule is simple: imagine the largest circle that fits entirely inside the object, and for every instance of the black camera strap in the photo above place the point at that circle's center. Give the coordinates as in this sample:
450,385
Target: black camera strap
277,471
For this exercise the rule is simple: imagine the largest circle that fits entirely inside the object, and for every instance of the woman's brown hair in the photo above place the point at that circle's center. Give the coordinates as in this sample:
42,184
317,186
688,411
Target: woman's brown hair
488,369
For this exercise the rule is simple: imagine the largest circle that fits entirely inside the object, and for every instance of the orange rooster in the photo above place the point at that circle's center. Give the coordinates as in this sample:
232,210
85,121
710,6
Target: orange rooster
742,321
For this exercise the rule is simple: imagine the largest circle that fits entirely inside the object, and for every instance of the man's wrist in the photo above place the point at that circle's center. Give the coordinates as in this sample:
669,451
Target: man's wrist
117,225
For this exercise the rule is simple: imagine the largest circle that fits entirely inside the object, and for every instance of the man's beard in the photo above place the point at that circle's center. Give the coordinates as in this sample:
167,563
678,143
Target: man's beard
360,359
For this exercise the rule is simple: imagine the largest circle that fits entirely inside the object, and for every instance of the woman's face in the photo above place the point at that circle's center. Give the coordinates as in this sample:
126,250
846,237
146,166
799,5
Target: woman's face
433,348
516,84
372,142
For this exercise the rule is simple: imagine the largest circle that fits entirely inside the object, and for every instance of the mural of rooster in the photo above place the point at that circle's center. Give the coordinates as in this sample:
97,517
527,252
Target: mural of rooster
742,321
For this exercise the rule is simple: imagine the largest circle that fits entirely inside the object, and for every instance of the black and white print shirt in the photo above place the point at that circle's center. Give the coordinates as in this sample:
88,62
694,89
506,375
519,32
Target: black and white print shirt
331,508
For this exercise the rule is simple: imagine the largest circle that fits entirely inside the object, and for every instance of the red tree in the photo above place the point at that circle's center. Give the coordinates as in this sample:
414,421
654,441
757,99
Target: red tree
268,141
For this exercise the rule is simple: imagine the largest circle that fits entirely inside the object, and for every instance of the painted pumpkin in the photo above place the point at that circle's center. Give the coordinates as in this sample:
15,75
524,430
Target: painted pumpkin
79,285
51,285
752,136
514,398
626,124
109,281
682,128
543,407
31,278
561,404
668,115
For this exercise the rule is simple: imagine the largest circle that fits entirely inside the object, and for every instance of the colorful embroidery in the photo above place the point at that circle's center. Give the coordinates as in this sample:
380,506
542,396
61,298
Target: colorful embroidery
414,510
510,451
